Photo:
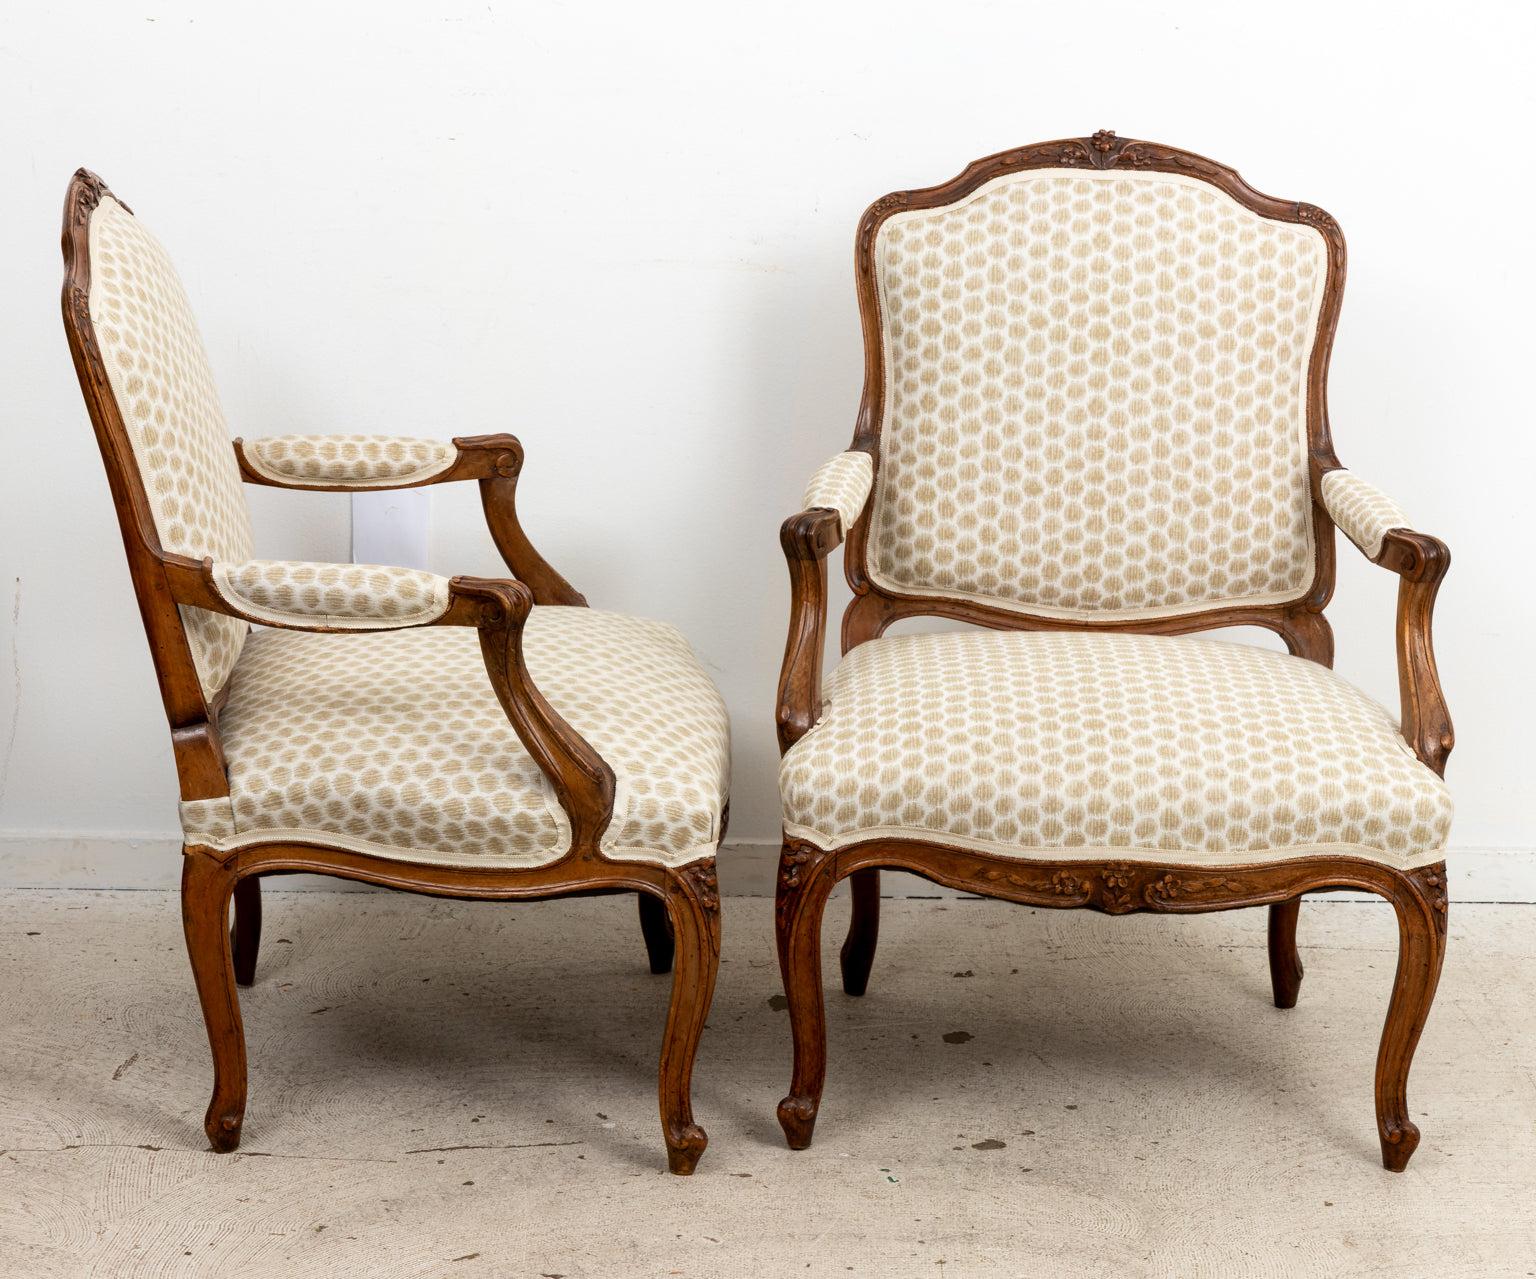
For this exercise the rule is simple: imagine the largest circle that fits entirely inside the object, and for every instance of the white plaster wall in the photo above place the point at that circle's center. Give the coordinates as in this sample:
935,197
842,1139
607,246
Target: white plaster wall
624,233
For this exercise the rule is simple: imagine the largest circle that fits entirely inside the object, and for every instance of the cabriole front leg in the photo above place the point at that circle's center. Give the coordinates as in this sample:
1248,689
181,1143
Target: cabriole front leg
805,883
207,886
1422,905
693,902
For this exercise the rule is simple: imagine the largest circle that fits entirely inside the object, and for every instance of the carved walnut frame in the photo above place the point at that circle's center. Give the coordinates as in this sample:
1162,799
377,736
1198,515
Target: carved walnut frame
679,906
808,873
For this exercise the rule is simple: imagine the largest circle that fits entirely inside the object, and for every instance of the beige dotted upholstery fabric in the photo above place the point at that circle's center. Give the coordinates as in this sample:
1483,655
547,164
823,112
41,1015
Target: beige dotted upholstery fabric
1095,397
344,596
394,743
164,388
1362,512
841,485
356,461
1141,747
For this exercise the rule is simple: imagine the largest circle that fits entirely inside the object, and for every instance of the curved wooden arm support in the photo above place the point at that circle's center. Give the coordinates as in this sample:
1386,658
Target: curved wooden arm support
1421,563
498,498
582,781
807,538
495,461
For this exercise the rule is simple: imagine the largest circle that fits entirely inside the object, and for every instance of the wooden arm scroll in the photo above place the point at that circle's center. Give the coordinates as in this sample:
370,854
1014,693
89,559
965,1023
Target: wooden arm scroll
498,609
1421,563
807,538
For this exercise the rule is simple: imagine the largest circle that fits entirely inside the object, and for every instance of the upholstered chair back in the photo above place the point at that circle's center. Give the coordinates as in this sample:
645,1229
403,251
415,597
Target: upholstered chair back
159,375
1095,396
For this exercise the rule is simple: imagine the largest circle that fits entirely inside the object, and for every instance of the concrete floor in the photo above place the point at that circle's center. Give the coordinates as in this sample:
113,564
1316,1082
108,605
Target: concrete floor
446,1089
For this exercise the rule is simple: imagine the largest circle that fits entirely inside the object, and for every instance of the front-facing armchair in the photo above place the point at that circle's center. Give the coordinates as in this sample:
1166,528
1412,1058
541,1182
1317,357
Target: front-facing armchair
1094,421
455,736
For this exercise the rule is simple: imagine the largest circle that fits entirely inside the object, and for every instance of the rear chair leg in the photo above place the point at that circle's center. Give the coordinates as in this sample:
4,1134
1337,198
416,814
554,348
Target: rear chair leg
245,937
206,889
858,954
656,928
693,901
1285,968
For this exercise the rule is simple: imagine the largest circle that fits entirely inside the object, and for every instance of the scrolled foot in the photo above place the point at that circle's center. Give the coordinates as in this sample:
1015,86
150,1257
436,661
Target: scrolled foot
1398,1142
684,1149
797,1117
223,1130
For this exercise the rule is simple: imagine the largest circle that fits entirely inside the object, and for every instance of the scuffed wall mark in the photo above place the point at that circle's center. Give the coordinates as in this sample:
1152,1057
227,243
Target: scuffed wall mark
10,737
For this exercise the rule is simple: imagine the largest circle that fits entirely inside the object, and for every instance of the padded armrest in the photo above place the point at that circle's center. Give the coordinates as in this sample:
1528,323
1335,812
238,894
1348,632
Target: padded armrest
355,461
842,485
345,597
1361,511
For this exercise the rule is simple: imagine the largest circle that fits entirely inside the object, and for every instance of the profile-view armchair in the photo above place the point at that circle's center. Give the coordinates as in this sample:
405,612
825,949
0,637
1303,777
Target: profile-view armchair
1093,421
461,737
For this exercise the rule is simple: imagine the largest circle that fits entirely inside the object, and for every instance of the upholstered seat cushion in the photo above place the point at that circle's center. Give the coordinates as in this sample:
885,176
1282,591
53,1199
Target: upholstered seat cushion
395,743
1061,745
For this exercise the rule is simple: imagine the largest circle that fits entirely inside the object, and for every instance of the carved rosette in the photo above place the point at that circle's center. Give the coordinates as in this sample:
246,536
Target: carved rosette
790,862
1433,887
1314,216
1066,885
1116,894
89,191
703,879
798,864
1168,887
1104,150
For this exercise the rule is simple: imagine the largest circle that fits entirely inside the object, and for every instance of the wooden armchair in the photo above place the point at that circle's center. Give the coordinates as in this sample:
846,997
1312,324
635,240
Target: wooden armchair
460,737
1093,420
